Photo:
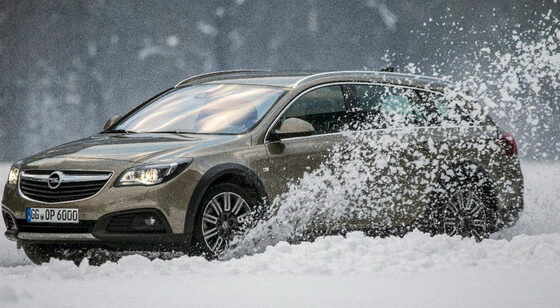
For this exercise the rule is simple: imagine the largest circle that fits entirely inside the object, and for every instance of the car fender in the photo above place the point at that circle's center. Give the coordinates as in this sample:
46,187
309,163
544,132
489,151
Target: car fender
206,181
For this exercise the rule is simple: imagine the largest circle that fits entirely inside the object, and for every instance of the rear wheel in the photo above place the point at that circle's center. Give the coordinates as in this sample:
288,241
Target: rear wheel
465,206
465,214
226,211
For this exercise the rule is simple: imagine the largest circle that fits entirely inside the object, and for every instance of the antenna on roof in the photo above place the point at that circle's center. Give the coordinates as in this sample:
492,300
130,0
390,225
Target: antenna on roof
389,69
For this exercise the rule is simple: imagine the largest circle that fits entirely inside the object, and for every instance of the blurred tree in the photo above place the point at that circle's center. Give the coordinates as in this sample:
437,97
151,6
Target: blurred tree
69,65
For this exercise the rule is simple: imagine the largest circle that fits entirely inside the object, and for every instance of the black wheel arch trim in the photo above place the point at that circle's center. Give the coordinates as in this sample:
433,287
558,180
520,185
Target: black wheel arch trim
205,183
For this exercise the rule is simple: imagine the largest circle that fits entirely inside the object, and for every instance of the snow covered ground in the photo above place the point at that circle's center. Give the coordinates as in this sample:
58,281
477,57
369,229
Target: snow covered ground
518,267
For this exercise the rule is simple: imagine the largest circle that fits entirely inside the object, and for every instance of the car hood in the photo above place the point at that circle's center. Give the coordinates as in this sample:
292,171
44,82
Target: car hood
128,147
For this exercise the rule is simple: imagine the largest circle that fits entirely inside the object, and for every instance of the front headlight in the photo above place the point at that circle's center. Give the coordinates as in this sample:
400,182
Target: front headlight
13,176
152,174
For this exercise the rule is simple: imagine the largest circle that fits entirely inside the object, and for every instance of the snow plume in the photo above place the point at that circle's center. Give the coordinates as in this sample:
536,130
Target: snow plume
354,182
517,79
364,173
522,85
380,181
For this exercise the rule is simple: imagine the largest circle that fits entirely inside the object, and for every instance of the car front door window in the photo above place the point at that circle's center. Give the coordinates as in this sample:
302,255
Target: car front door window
323,108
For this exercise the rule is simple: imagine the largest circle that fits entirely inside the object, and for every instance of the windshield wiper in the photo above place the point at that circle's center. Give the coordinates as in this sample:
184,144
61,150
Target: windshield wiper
119,131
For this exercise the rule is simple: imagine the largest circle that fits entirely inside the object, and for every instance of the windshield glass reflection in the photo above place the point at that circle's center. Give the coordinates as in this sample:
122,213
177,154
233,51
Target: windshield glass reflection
215,108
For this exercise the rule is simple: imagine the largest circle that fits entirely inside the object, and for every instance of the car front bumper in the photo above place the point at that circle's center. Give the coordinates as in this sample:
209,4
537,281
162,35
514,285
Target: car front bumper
168,200
96,234
171,199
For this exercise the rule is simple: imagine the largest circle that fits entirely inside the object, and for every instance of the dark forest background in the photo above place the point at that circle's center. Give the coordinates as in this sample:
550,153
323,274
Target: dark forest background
66,66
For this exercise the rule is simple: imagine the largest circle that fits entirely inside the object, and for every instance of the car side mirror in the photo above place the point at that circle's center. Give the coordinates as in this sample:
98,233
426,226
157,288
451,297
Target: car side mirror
293,127
112,120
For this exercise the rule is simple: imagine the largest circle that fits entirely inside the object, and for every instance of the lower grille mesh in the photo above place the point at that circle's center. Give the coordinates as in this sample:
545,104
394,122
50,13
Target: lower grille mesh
121,223
9,221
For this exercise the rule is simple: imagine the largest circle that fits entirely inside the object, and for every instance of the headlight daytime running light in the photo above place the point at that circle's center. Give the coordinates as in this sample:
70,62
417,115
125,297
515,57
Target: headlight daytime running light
13,176
152,174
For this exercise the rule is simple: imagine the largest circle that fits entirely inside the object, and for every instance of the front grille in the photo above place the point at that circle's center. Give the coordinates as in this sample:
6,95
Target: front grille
9,221
60,186
84,226
121,223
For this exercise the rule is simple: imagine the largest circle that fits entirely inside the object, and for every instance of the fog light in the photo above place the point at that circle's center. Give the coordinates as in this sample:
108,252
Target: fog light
150,221
147,223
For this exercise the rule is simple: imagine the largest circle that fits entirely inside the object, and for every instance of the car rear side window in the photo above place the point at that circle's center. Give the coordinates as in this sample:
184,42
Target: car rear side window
380,106
446,111
323,108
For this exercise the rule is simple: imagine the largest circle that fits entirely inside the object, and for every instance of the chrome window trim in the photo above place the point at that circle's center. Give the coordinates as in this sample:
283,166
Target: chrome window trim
340,83
411,129
63,202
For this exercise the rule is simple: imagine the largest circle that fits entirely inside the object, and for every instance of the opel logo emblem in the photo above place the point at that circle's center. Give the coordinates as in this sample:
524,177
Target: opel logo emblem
55,179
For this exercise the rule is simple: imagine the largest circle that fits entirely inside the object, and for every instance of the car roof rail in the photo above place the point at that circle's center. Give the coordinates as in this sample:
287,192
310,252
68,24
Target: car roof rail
324,74
364,73
211,75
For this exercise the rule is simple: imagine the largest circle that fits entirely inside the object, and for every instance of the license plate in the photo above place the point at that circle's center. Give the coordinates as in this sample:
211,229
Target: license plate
53,215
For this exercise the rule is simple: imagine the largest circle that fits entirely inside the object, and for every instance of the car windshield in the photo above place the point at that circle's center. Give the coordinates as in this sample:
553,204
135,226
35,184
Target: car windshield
209,109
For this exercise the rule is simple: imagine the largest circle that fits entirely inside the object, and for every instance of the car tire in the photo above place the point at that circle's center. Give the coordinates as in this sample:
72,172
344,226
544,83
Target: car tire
464,205
217,223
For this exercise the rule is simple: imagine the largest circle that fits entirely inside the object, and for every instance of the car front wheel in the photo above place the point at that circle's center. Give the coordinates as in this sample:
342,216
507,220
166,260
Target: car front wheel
226,211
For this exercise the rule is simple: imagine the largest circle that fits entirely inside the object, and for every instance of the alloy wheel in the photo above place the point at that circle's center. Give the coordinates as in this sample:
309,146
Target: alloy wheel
225,216
465,214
